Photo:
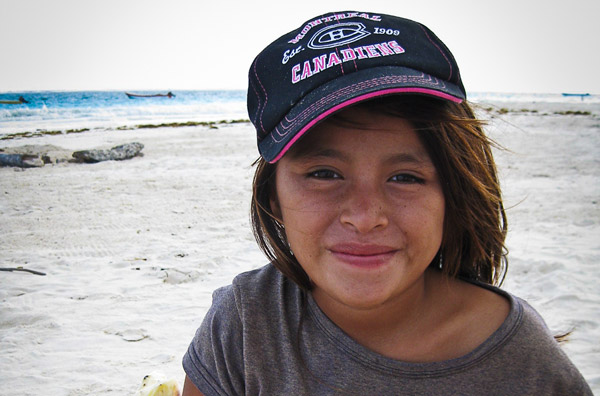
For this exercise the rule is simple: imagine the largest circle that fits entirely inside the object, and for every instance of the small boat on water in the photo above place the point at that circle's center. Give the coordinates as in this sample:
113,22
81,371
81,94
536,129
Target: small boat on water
581,95
19,101
167,95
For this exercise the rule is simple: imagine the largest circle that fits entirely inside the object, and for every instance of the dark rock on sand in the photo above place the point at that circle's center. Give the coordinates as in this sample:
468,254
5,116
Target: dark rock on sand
117,153
38,155
21,160
29,156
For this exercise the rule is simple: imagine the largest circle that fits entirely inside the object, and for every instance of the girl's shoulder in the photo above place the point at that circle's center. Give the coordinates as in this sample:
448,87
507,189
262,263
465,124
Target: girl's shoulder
484,307
487,313
464,315
261,283
263,293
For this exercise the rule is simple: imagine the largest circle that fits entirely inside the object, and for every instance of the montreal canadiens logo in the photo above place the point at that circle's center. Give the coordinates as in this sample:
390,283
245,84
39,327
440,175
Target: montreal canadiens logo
336,35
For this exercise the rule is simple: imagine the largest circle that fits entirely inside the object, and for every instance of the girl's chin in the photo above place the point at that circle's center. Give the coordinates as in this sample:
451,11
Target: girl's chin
355,299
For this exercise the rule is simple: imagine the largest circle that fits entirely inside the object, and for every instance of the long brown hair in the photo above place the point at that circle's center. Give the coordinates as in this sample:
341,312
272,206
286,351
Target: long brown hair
475,222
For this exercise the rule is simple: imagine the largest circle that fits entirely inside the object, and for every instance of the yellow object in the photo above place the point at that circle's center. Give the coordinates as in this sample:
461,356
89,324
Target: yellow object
154,385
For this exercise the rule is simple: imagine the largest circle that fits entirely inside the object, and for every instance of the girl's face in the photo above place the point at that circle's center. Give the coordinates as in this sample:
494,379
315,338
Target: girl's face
363,208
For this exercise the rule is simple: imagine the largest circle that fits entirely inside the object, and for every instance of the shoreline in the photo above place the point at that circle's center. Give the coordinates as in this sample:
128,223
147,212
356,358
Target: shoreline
490,108
42,132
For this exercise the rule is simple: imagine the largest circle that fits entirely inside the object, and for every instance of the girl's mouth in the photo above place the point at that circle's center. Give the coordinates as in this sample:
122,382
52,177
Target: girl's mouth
361,255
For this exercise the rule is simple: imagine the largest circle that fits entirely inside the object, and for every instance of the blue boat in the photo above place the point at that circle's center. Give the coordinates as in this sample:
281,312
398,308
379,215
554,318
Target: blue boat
167,95
21,100
582,95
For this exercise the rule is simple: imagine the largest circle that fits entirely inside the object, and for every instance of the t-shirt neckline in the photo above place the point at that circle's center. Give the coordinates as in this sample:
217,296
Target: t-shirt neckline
374,360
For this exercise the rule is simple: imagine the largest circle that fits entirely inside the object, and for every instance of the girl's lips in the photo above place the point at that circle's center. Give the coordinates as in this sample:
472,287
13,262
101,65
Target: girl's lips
367,256
359,249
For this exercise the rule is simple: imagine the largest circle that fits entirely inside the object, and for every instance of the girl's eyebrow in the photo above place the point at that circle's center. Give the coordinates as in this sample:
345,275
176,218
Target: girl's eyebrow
416,158
305,149
313,153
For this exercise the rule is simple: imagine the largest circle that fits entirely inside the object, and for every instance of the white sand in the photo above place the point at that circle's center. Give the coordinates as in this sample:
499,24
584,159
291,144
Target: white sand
133,249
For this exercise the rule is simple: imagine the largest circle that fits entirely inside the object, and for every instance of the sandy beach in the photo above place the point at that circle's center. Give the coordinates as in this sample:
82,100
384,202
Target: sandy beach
133,249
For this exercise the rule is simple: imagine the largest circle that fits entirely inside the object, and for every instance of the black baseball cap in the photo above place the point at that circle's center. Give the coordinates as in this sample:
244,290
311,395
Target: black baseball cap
338,59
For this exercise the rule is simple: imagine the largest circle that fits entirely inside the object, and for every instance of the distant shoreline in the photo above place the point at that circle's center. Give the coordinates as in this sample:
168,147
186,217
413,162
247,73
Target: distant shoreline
39,133
61,113
494,110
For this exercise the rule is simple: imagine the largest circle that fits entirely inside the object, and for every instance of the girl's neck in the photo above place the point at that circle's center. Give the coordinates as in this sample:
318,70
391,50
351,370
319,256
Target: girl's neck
386,323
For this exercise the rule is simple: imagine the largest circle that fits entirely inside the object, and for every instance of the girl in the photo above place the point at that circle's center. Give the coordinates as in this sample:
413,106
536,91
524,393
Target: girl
377,201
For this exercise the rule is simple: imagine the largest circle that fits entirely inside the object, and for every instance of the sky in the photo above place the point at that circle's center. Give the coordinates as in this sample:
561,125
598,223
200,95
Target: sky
523,46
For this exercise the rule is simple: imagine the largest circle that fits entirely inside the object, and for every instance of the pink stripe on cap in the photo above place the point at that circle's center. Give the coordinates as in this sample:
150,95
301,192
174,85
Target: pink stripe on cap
361,98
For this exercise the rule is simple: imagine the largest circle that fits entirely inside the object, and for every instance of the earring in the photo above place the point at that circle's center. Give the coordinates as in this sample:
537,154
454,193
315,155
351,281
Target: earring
441,261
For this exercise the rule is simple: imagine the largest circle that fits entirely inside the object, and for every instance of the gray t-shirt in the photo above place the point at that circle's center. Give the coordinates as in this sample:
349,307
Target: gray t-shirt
263,335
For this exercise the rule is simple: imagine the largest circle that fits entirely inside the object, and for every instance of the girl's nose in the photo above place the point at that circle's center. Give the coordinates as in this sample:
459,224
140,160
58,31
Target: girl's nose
363,209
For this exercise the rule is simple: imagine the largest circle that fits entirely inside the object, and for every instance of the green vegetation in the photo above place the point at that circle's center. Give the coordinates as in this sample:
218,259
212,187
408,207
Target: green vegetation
208,124
504,110
77,130
571,112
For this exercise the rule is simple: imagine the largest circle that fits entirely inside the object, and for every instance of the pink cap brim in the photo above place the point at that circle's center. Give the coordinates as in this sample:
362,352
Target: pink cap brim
357,99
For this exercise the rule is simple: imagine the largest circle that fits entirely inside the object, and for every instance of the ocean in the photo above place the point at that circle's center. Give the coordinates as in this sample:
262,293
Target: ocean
60,112
64,111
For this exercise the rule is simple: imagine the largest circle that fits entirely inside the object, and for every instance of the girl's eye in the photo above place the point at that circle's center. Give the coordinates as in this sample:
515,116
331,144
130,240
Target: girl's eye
324,174
407,179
